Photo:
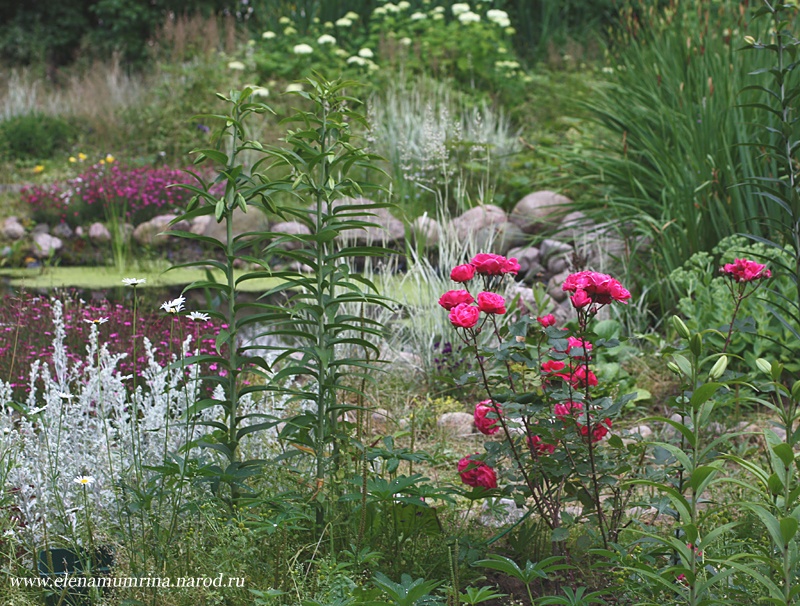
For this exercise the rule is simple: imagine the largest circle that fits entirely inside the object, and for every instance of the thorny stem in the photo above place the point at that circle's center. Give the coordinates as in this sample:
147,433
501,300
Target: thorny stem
582,322
537,498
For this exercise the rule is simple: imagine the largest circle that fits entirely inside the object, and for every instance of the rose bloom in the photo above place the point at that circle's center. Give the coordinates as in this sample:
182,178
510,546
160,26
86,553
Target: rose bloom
511,266
599,431
491,303
579,378
476,473
594,287
548,320
484,424
580,299
565,409
462,273
576,343
744,270
454,297
553,366
489,264
464,315
536,443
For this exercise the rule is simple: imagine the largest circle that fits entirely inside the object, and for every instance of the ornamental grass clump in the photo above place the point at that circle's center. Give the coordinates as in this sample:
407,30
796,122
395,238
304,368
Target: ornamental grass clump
542,400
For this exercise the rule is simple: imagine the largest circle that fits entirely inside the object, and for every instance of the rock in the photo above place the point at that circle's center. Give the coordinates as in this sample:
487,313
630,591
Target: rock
554,286
575,226
200,224
550,248
291,228
500,238
427,231
456,423
13,229
508,513
555,265
538,210
252,221
526,303
530,270
387,229
98,233
643,431
477,218
63,231
149,232
44,245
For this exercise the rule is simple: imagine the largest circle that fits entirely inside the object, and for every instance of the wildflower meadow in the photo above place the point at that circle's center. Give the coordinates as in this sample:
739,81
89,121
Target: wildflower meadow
418,303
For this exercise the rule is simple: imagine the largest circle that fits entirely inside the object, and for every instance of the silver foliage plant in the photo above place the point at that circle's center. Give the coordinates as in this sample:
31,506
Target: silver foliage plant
79,421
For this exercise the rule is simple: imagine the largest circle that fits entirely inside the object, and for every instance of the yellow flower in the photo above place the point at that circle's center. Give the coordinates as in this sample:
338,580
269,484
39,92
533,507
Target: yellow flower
82,156
39,168
72,159
110,159
102,162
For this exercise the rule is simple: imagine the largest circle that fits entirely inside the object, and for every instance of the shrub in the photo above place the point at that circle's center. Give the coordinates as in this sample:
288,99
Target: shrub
34,136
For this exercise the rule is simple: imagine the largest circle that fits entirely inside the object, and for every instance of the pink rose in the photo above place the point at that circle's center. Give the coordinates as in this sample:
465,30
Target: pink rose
744,270
488,264
565,409
511,266
455,297
579,378
548,320
580,299
491,303
536,443
464,315
553,366
486,425
476,473
462,273
575,343
596,288
599,431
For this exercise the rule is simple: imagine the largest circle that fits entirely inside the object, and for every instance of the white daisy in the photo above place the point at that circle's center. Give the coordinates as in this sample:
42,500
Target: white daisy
96,321
198,316
84,480
133,281
175,306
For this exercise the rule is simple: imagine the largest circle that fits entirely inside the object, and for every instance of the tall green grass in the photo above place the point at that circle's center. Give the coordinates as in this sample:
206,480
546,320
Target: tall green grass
673,157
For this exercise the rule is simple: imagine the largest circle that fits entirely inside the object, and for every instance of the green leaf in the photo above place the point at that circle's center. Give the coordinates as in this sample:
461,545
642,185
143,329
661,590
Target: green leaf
770,522
701,477
785,453
703,393
788,529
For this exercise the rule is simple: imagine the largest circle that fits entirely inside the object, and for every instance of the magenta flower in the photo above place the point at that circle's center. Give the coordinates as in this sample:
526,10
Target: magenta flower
744,270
